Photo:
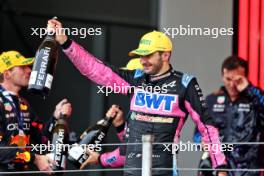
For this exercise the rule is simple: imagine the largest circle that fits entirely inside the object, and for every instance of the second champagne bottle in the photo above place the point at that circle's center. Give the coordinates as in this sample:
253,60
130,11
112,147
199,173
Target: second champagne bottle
94,136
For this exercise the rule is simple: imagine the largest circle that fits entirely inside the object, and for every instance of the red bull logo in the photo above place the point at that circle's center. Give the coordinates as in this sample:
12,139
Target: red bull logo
20,140
22,157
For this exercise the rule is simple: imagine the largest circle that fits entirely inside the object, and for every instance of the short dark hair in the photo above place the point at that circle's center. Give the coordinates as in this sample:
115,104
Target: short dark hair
233,62
1,77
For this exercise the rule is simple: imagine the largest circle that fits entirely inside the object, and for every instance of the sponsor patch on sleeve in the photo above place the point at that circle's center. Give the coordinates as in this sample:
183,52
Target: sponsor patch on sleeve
138,73
111,160
186,79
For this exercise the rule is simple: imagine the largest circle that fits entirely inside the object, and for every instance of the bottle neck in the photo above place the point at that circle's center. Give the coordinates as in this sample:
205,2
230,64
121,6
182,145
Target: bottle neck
106,122
61,119
51,34
109,121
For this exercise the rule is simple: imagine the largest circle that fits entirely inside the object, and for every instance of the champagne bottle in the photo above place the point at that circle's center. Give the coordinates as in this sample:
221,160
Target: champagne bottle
42,73
59,138
92,135
205,163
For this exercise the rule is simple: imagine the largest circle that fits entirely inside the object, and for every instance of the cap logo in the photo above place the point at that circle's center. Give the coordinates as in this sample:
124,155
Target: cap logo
18,56
145,42
29,60
6,61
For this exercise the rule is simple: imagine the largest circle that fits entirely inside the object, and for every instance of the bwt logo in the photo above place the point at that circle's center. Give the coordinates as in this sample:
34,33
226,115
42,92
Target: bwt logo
155,101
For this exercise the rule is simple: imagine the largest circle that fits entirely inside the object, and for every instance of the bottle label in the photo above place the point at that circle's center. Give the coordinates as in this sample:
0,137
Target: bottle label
63,161
58,138
100,138
76,152
48,82
83,158
33,77
41,65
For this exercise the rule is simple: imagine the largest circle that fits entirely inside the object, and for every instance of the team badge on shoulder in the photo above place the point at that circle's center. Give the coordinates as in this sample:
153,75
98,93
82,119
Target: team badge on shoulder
8,107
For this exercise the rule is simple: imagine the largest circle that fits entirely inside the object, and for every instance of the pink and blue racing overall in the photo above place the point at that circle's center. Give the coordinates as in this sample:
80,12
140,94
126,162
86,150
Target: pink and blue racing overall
159,106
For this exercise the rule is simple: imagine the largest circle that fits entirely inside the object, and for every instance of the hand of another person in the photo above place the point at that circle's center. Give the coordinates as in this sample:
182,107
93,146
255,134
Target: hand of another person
44,163
63,108
92,159
115,112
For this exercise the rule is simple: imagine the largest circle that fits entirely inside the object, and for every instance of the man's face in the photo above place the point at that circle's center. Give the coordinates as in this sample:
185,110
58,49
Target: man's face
19,75
152,63
229,82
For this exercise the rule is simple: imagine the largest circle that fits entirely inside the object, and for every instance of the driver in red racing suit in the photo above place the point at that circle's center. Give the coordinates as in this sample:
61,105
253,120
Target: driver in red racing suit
161,99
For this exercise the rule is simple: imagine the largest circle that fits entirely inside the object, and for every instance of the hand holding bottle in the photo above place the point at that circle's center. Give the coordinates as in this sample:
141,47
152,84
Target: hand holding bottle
59,138
64,108
93,158
117,114
43,163
57,26
94,136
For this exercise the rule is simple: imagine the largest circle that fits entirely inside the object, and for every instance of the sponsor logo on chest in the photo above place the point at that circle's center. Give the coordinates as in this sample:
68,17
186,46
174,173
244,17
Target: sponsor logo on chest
221,99
8,107
218,107
155,101
243,107
14,126
149,118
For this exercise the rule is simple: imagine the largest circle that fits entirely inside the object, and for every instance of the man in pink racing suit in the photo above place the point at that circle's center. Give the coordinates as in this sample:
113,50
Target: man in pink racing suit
161,99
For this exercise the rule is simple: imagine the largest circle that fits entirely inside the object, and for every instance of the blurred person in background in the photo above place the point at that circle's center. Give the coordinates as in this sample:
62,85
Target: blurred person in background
237,110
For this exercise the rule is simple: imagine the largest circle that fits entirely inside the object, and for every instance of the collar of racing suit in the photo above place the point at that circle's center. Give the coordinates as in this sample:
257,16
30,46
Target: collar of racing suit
153,78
